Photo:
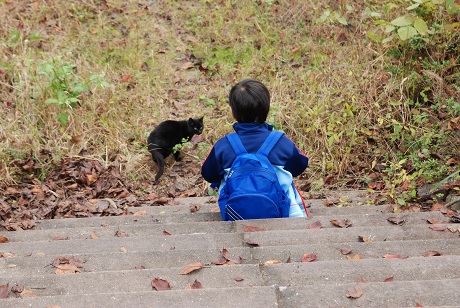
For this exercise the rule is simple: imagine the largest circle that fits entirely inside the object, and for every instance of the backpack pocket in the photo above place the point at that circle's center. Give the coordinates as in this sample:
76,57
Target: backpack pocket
252,206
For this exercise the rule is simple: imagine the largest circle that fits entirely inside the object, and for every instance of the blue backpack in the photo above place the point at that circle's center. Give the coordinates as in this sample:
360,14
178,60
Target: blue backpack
252,189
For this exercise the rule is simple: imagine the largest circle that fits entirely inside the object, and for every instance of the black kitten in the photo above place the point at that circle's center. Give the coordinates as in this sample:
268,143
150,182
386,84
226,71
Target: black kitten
166,135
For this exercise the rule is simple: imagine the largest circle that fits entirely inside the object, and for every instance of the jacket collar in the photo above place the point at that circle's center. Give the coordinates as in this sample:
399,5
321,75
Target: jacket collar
250,128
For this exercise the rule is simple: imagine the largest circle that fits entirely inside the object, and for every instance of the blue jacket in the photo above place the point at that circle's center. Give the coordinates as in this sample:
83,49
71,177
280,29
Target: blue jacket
252,135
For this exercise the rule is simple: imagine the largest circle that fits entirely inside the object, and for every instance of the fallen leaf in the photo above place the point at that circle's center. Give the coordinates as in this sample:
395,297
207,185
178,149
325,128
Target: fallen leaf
270,262
397,220
59,238
289,260
315,225
27,293
196,285
389,279
253,244
126,78
252,229
123,249
191,267
238,279
437,228
453,229
343,223
220,261
345,251
166,232
139,267
354,292
390,256
194,208
432,253
365,238
140,213
433,221
355,257
121,233
3,239
308,258
4,291
93,235
160,284
187,65
67,269
418,305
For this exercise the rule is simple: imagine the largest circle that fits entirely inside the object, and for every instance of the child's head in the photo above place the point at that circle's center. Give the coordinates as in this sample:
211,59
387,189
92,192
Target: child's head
250,101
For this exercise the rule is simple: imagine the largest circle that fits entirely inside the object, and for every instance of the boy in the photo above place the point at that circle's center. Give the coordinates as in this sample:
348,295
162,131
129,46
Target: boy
250,104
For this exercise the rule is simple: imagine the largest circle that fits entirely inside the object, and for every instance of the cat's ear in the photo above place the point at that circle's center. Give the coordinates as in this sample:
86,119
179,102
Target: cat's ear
201,119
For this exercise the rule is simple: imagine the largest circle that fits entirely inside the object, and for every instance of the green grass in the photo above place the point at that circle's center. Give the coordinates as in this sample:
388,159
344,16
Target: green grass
346,100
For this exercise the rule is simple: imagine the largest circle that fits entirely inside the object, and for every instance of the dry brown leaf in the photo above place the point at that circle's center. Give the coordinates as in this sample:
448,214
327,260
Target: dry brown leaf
365,238
315,225
94,235
140,213
355,257
453,229
362,280
59,238
270,262
166,232
27,293
67,269
437,228
432,253
160,284
121,233
253,244
3,239
389,279
354,292
252,229
433,221
345,251
191,267
390,256
4,291
342,223
308,258
238,279
194,208
397,220
196,285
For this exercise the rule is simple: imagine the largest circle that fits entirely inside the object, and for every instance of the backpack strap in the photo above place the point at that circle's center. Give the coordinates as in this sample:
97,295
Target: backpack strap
236,143
270,142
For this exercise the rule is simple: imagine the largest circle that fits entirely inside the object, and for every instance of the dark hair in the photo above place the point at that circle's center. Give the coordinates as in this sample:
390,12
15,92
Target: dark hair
250,101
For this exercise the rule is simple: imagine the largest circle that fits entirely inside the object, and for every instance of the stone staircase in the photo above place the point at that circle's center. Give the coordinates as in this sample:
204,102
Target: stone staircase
116,261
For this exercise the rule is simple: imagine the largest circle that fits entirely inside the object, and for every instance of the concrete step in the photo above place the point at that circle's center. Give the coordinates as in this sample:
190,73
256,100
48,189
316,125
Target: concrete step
135,228
256,297
227,240
372,270
243,275
425,293
111,274
137,280
116,244
39,263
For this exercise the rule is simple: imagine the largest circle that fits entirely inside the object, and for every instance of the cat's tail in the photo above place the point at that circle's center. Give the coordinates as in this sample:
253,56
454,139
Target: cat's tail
160,161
